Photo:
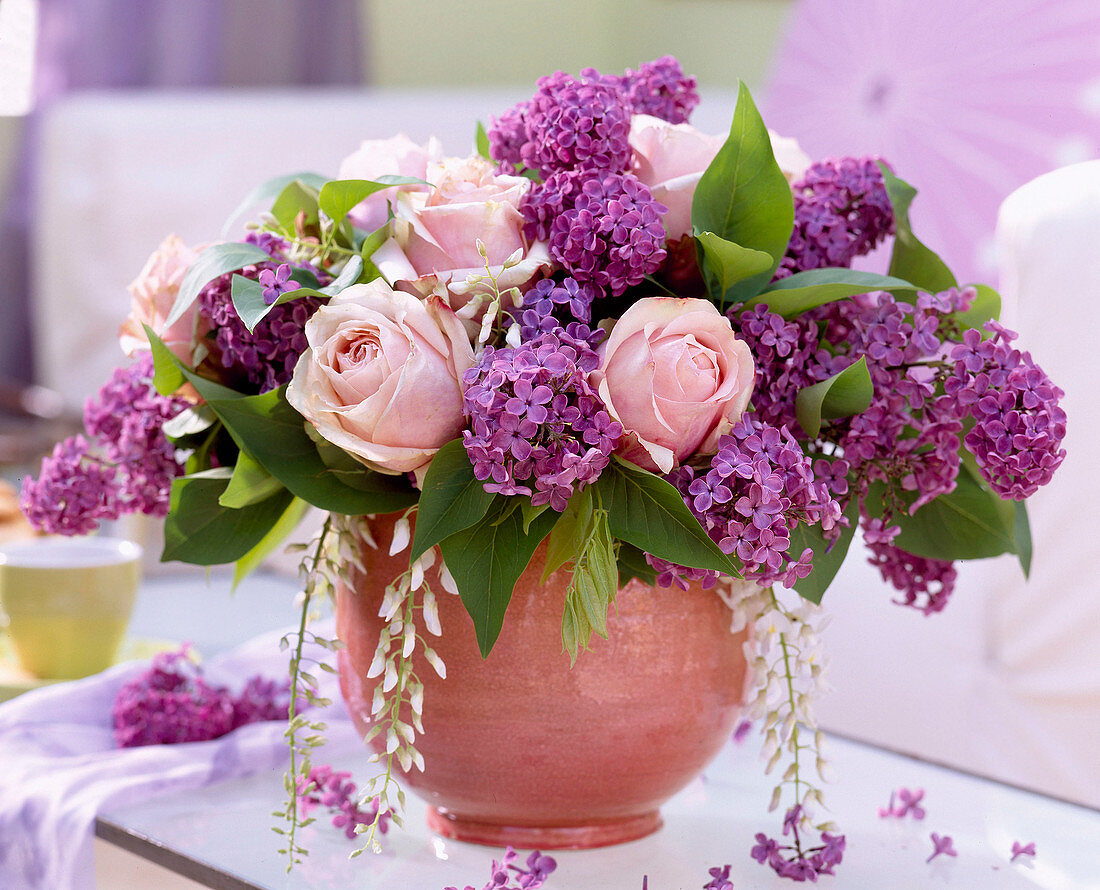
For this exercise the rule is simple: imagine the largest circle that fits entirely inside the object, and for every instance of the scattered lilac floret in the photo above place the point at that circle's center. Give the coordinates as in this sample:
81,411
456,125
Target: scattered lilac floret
904,802
335,792
1019,849
504,872
942,846
795,861
719,878
742,731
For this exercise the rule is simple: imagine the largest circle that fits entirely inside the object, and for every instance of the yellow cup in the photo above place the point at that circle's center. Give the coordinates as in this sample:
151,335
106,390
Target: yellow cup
68,602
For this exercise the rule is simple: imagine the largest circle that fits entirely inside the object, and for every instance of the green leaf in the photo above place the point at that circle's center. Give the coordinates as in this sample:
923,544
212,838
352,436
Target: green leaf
215,260
248,300
971,522
986,306
591,590
347,277
200,531
167,376
248,563
268,190
339,196
827,561
531,513
570,532
1021,534
842,395
481,141
910,259
743,196
487,559
274,434
797,293
249,484
644,510
269,429
189,422
452,498
295,198
726,264
632,564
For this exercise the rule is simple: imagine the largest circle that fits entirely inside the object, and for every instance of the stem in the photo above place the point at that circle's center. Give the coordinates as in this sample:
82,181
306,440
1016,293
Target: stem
295,690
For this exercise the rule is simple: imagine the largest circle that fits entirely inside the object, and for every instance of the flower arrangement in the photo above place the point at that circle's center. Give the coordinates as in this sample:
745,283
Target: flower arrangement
606,330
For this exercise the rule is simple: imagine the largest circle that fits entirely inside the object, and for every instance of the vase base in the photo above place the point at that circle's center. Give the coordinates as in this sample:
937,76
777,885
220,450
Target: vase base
538,837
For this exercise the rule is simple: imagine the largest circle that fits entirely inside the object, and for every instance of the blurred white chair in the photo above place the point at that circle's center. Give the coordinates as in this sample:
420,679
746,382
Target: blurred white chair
1006,681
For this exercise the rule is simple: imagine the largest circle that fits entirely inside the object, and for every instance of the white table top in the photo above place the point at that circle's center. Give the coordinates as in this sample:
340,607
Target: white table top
221,836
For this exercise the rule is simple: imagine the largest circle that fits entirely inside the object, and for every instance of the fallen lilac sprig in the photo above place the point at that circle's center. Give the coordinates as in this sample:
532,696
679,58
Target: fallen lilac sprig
904,802
792,860
334,791
942,846
170,702
1019,850
534,875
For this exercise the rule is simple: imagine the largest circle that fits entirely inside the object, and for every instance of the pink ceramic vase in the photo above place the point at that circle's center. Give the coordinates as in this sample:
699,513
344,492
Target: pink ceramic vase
521,749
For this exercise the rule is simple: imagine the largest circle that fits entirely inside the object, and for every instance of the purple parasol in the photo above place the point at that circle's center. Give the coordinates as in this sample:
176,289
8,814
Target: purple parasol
968,99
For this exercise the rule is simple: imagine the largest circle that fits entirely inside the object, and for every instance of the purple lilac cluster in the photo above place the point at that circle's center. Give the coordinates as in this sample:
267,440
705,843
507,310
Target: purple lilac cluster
1018,422
537,427
792,860
660,88
758,487
126,419
611,237
788,357
264,357
907,438
171,702
324,787
506,874
125,466
574,123
841,211
602,224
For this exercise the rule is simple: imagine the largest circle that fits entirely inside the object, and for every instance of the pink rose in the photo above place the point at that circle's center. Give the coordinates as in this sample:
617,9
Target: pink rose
381,377
396,156
152,296
670,160
676,377
434,245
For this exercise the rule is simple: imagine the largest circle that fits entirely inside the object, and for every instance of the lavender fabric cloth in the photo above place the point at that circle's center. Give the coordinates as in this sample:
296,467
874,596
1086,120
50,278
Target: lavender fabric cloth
59,765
